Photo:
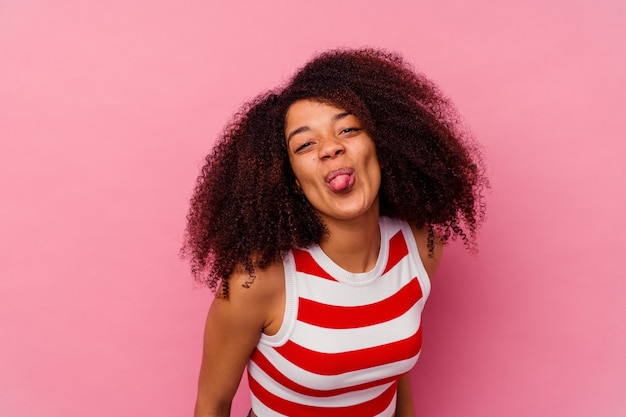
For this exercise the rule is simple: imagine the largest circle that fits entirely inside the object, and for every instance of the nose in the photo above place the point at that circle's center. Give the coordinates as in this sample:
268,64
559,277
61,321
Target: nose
330,147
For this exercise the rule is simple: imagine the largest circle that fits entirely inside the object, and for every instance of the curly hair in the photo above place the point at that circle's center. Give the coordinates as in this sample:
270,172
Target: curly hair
246,209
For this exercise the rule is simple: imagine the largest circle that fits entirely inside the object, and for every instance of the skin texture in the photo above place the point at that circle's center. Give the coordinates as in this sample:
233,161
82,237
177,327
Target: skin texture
326,139
233,328
330,140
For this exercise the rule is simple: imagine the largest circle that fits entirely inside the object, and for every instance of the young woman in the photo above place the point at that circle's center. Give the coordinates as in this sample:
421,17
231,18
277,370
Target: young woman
319,218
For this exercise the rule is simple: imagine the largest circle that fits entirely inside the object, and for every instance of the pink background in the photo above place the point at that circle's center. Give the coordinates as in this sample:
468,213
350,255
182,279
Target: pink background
108,107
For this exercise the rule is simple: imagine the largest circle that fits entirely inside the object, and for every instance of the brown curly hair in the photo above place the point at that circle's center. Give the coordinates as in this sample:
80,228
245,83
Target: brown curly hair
246,209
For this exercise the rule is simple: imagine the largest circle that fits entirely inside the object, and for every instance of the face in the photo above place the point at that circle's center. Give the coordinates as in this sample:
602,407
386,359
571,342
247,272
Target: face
334,160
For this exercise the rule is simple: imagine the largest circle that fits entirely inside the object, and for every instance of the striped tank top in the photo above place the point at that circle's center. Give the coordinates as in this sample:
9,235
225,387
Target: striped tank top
346,338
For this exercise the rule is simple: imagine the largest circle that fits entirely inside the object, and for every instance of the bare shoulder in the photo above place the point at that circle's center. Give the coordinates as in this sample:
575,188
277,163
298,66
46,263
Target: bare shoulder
233,328
254,299
430,260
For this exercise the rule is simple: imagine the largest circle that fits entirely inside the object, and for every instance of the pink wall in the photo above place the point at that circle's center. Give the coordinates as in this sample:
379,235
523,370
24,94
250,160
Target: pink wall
107,108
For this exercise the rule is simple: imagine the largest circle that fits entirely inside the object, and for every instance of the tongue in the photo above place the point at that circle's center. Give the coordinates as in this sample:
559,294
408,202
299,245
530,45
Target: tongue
340,182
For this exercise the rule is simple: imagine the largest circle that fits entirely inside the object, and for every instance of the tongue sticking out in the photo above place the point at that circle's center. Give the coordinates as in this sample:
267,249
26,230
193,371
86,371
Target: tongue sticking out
341,182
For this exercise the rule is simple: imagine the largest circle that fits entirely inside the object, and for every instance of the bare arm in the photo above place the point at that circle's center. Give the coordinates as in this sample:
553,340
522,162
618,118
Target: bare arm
233,328
404,402
431,263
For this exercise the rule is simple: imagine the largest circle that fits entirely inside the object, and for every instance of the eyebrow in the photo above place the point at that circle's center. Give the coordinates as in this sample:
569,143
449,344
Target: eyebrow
302,129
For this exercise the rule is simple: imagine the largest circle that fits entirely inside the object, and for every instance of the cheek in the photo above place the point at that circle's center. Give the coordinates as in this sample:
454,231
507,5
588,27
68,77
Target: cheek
303,170
372,160
375,170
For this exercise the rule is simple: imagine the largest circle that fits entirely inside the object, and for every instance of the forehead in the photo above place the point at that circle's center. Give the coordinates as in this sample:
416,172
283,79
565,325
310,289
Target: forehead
308,111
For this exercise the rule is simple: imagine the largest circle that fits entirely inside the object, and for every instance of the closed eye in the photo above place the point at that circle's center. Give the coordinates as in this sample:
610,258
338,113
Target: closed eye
303,146
350,130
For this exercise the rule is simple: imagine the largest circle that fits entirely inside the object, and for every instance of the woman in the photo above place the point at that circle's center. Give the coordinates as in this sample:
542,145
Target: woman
318,218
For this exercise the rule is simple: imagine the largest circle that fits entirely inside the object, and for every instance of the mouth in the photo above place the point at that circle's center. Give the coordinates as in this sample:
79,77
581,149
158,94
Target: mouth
340,180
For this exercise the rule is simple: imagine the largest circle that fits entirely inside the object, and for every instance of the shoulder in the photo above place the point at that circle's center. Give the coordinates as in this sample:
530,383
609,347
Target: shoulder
261,284
253,300
430,260
233,328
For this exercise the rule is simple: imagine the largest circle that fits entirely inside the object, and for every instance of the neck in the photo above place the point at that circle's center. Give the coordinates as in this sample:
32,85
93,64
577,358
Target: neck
353,244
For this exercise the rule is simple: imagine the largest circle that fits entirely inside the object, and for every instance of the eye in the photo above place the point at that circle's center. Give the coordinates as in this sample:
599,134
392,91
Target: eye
350,130
303,146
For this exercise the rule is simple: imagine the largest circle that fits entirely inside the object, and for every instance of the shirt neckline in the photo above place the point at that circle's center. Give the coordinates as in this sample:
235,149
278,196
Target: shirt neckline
355,278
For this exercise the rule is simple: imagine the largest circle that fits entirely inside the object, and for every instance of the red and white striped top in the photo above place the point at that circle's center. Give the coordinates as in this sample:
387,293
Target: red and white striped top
346,338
